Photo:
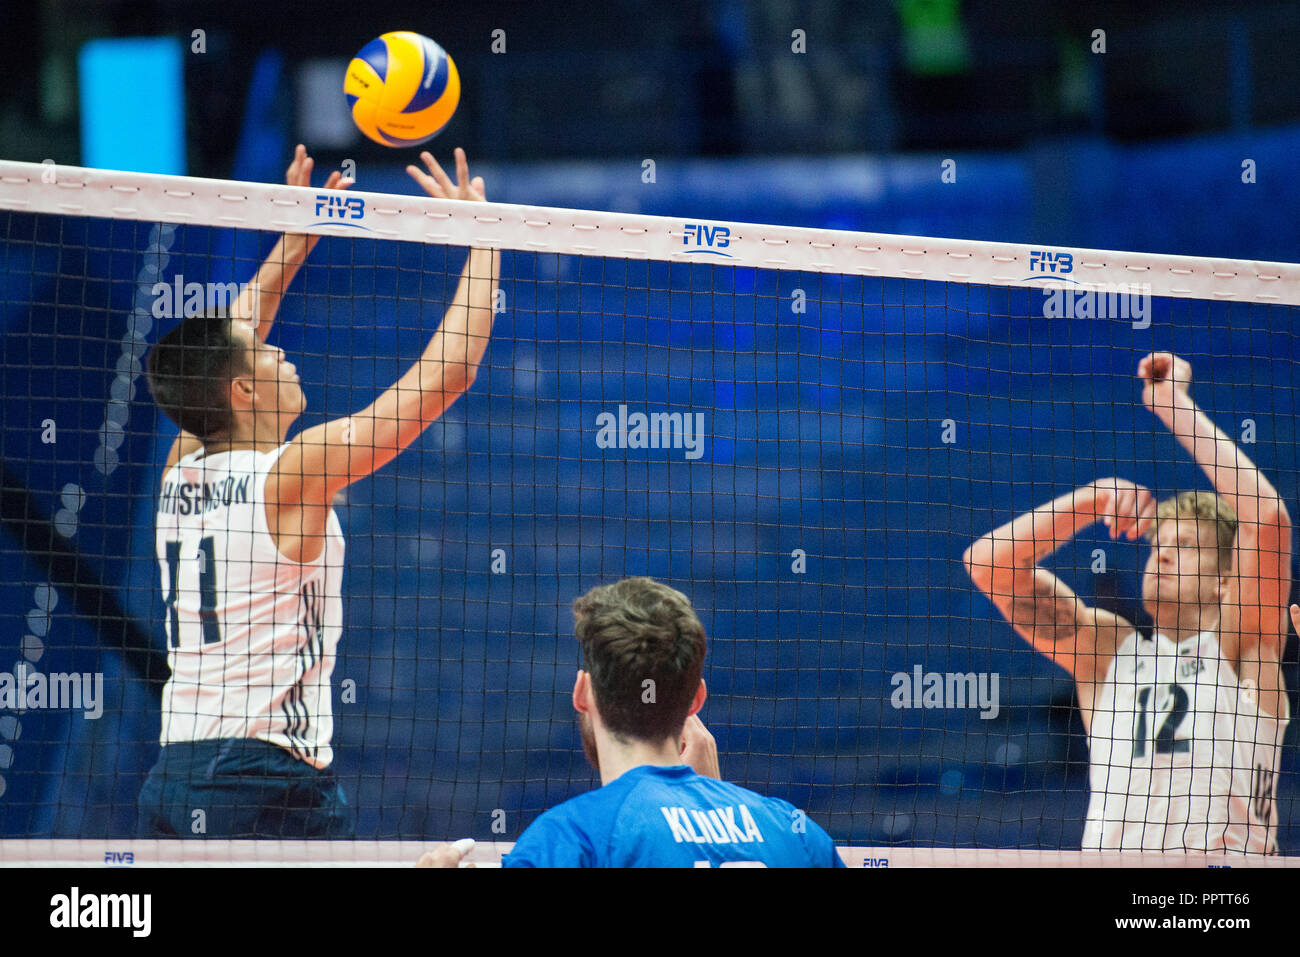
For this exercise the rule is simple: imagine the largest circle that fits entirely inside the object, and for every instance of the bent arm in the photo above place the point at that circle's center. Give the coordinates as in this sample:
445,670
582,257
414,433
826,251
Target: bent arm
1004,564
1234,476
330,457
1263,544
260,299
327,458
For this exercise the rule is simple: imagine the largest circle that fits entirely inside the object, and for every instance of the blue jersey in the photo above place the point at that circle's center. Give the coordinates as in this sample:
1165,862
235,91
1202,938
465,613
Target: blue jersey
672,817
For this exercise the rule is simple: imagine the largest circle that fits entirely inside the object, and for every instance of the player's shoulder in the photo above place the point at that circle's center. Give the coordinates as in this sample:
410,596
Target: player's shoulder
581,806
655,782
665,785
587,813
595,812
790,834
182,455
738,793
1131,641
186,445
594,828
264,464
569,834
237,459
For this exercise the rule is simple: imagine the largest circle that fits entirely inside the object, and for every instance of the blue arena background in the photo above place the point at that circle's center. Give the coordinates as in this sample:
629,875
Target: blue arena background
823,436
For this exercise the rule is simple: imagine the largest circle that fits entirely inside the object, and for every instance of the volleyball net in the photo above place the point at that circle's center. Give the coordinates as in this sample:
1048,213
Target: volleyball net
800,429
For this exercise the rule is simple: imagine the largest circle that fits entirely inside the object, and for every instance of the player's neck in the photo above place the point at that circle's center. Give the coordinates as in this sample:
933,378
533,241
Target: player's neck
260,435
616,759
1189,622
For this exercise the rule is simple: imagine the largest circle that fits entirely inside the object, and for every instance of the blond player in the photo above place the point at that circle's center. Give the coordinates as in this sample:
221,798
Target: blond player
1184,726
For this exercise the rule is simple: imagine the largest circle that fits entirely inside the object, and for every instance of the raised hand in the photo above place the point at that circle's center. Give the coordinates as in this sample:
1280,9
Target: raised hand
1163,374
1124,507
439,185
299,172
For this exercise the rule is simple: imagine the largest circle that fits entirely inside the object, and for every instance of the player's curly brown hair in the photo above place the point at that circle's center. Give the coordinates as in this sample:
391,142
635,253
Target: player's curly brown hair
636,631
1208,507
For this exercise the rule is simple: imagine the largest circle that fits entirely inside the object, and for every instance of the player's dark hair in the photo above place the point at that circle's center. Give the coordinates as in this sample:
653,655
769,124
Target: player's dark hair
190,369
634,631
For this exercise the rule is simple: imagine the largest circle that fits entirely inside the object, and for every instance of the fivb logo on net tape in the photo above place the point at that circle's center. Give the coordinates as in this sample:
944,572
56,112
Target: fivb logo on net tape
337,209
1050,263
706,239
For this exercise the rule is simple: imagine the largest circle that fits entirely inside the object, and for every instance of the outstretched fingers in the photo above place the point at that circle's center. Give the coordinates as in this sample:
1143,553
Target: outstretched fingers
462,168
440,177
439,185
337,181
292,175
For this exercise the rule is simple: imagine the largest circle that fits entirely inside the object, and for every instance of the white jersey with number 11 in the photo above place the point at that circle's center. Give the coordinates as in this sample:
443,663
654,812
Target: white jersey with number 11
251,635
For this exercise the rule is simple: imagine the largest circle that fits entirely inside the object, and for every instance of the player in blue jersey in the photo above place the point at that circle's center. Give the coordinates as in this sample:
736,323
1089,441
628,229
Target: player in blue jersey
643,652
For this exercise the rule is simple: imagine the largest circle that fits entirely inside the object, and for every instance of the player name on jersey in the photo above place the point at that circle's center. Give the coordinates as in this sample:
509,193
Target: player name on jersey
714,826
185,498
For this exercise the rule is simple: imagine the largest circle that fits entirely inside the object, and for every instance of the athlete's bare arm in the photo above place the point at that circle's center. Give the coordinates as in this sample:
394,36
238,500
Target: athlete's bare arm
1004,564
325,459
1252,626
260,299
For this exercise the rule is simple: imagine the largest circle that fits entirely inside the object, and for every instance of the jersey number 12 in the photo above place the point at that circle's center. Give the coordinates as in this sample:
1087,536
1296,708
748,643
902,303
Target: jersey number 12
1166,743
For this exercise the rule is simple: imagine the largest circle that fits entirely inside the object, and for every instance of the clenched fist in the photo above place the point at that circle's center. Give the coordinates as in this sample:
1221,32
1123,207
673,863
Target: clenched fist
1163,374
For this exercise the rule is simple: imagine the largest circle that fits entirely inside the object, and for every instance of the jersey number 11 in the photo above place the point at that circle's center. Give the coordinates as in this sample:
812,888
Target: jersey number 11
207,569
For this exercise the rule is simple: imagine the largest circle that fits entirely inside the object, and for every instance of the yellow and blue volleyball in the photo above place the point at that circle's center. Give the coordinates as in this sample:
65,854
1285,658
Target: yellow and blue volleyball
402,88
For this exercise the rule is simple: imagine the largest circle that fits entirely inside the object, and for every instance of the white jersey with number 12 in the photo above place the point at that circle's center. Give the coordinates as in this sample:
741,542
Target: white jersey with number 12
1182,757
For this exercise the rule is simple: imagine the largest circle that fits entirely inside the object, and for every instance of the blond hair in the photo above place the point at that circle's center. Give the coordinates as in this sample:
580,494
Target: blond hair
1204,506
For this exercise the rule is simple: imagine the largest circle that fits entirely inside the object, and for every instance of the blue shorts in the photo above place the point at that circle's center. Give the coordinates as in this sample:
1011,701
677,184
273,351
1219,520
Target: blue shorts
244,788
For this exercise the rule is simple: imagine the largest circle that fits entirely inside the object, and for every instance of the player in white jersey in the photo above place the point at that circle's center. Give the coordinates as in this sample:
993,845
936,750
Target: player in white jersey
1185,726
251,552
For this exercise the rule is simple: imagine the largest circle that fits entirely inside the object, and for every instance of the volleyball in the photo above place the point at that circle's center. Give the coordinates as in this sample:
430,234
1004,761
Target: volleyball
402,88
